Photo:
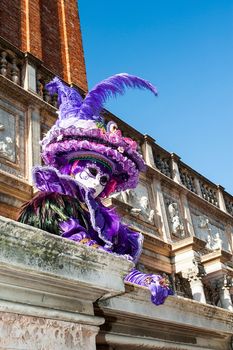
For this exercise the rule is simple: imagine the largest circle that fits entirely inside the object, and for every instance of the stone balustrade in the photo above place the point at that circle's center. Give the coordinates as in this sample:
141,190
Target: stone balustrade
25,70
11,65
169,164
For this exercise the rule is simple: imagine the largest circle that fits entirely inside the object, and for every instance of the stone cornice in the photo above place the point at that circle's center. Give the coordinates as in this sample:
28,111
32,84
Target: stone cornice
218,255
193,243
136,304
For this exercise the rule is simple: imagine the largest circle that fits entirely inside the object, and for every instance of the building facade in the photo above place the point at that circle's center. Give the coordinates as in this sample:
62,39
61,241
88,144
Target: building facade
58,295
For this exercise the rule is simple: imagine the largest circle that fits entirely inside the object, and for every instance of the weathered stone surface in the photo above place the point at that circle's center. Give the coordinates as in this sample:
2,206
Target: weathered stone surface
21,332
43,263
53,271
48,286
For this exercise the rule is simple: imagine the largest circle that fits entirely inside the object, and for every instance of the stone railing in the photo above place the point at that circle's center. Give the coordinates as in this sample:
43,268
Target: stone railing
11,64
188,178
162,160
25,70
170,165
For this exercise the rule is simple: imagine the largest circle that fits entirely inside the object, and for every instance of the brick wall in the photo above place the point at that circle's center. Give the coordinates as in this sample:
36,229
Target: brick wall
50,30
10,14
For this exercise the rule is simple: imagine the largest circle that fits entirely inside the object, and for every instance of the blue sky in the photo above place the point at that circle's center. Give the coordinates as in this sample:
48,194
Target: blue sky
185,48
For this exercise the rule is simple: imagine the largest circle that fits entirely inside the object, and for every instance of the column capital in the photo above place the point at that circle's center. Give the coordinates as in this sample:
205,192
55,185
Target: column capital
224,282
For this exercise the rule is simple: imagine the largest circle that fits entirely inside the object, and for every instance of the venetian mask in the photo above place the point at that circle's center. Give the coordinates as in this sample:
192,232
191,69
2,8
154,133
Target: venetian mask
93,177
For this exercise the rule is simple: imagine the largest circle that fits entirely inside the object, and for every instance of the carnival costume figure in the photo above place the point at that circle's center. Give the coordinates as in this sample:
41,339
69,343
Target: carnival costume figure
86,160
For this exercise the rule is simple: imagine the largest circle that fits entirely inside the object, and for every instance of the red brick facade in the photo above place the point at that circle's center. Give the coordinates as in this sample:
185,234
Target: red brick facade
49,30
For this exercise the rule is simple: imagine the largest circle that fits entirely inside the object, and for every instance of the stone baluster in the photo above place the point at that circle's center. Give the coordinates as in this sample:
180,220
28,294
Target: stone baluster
14,71
46,95
3,63
224,285
147,151
54,100
39,87
175,169
221,201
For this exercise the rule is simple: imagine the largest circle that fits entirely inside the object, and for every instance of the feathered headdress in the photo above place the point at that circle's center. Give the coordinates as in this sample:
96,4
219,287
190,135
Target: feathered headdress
80,128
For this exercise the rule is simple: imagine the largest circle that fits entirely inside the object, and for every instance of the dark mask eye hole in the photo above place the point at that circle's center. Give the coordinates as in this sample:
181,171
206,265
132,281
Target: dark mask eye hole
92,171
103,180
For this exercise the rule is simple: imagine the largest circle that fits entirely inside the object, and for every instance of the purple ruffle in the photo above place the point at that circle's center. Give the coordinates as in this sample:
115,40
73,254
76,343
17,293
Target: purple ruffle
106,227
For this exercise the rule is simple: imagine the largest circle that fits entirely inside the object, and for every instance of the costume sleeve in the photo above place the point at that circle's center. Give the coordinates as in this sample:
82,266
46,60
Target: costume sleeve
158,285
128,242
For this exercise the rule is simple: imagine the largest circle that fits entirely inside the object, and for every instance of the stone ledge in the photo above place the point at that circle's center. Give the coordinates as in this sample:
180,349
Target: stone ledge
37,268
188,321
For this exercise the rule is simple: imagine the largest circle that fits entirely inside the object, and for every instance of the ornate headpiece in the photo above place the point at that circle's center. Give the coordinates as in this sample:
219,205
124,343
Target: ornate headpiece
81,129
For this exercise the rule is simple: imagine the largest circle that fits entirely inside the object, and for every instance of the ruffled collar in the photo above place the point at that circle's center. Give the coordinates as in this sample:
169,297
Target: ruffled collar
104,221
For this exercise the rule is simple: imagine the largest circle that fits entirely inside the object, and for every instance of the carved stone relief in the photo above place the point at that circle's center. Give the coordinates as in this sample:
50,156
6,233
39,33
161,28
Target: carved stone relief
177,227
174,216
213,233
138,199
12,139
7,136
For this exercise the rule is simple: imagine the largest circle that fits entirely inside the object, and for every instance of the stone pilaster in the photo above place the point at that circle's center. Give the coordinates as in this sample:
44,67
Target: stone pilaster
175,169
221,201
147,151
197,186
187,214
34,134
161,208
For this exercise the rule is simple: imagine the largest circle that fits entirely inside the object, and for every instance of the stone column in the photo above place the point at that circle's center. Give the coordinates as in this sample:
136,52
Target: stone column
197,289
224,285
147,151
194,275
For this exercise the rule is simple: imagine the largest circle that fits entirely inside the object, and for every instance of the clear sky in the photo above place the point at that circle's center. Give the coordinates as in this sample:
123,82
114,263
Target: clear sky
185,48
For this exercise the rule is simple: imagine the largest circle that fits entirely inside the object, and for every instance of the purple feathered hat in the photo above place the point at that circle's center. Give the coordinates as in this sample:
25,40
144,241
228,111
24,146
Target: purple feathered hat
80,131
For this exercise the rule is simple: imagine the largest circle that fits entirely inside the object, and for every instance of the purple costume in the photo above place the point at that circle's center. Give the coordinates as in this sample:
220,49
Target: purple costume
86,160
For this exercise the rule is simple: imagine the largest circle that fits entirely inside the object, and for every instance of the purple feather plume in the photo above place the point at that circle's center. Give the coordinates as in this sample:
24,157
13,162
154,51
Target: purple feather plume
69,99
111,87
